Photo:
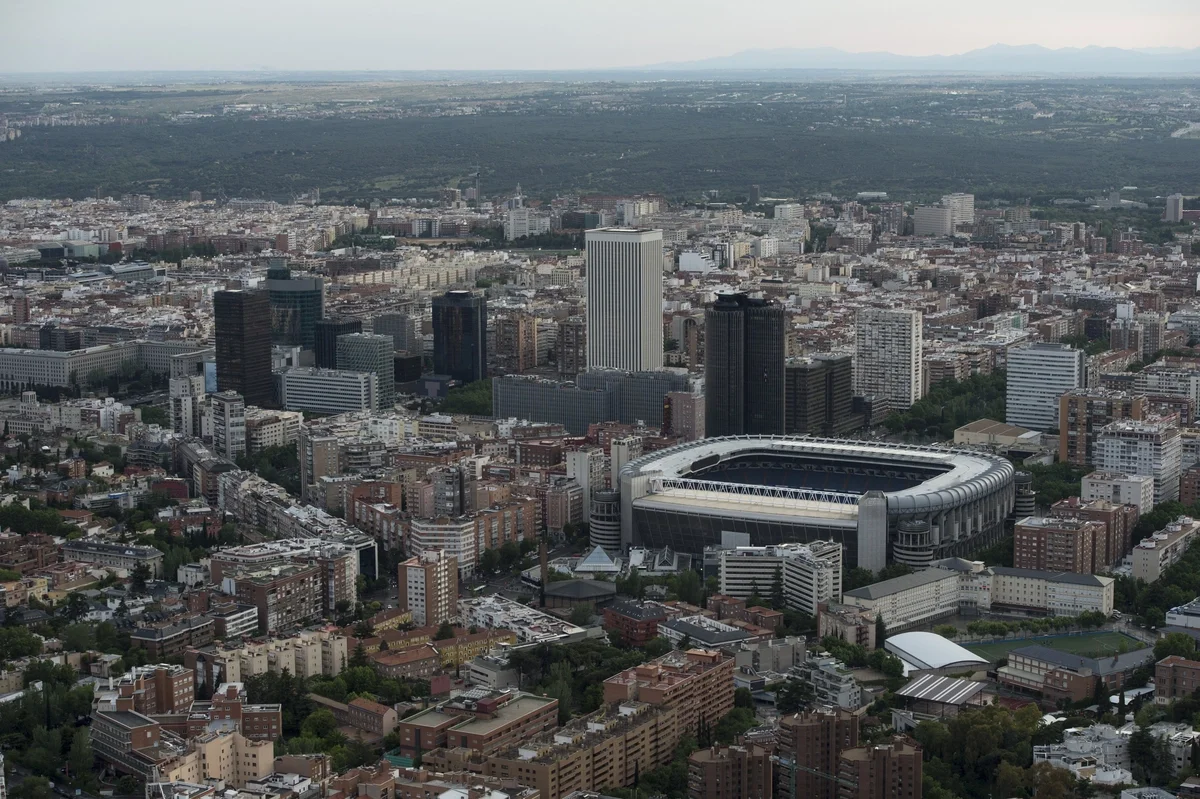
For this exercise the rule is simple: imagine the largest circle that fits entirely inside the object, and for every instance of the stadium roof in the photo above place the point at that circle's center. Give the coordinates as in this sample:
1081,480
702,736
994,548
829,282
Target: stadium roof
946,690
922,651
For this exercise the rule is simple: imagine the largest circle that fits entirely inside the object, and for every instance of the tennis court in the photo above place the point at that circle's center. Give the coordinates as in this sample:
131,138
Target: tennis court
1092,645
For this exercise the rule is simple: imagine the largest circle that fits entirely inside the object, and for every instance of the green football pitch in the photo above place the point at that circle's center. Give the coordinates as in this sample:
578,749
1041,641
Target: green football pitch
1092,645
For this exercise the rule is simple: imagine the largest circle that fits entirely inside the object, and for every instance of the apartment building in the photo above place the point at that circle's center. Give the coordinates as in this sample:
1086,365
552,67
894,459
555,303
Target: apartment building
1084,412
1119,488
414,663
429,587
887,360
909,600
170,638
1118,520
480,720
1060,545
809,750
230,708
286,596
699,683
307,654
635,622
1143,447
730,772
881,771
605,749
371,717
1154,555
832,682
150,690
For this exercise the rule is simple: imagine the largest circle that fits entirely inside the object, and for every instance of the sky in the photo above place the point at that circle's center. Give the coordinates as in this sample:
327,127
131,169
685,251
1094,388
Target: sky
105,35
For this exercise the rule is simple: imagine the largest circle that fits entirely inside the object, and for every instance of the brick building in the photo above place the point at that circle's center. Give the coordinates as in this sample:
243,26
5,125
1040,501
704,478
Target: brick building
698,683
635,622
730,772
1174,678
483,724
1060,545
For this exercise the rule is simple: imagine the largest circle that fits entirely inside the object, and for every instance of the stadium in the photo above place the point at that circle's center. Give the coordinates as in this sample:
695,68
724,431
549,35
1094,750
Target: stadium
882,501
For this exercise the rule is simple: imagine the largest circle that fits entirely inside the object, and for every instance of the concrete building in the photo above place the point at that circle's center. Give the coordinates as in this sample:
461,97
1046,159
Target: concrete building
962,208
624,299
887,358
932,220
363,352
1060,545
1143,447
517,342
480,720
116,556
228,424
1083,413
1059,675
909,600
328,390
1152,556
697,683
1038,375
882,771
1120,488
1030,590
730,772
570,347
286,597
1173,213
1118,521
429,587
187,397
807,575
810,745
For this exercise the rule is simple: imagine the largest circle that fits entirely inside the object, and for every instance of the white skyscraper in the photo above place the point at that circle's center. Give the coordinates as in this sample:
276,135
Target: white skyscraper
1037,376
1146,447
187,395
624,299
887,358
229,424
933,220
962,208
1174,212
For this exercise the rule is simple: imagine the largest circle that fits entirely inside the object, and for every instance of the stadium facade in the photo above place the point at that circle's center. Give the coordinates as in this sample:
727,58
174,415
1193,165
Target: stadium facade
883,502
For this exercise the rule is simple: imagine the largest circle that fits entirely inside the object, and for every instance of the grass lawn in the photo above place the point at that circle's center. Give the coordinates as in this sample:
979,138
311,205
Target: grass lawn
1094,645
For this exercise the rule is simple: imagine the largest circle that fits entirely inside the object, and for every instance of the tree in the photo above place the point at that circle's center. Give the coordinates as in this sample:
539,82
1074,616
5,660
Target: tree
359,657
685,643
688,587
880,630
581,615
32,788
1010,781
743,698
792,696
80,758
444,632
777,601
319,724
1180,644
78,637
139,576
489,561
76,606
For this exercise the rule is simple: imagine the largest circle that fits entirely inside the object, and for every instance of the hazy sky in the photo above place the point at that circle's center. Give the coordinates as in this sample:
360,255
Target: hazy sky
94,35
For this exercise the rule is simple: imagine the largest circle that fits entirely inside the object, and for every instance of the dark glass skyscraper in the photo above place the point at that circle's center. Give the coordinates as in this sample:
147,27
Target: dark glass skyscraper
243,337
297,303
327,331
460,336
744,346
820,397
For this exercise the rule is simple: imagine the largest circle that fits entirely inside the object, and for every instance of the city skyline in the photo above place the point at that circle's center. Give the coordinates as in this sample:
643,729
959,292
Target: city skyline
271,35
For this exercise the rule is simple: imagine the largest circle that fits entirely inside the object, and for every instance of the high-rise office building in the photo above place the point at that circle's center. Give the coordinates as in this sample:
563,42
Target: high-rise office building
402,328
325,340
932,220
744,344
1038,376
571,346
429,587
887,356
624,299
819,396
366,352
460,336
242,320
962,208
1174,209
229,424
297,303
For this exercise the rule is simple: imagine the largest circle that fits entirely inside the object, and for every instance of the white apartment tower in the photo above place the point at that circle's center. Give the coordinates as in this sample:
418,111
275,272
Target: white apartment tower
624,299
932,220
187,396
809,574
1174,210
962,208
1037,376
229,424
887,359
1143,447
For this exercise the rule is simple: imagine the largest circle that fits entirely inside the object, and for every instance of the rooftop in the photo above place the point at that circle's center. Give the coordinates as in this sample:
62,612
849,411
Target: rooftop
904,582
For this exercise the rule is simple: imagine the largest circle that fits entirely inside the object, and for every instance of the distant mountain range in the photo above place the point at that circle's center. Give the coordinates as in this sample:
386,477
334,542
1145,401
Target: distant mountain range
1002,58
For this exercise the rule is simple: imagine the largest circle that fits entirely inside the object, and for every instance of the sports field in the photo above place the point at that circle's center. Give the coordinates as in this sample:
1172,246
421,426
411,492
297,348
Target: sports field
1092,645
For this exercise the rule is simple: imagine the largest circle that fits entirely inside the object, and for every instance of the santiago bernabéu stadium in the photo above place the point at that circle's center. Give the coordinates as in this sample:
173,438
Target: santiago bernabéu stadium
884,502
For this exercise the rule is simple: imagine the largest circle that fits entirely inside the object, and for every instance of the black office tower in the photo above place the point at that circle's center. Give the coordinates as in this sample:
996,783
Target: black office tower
460,336
744,346
243,336
297,303
820,396
326,339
